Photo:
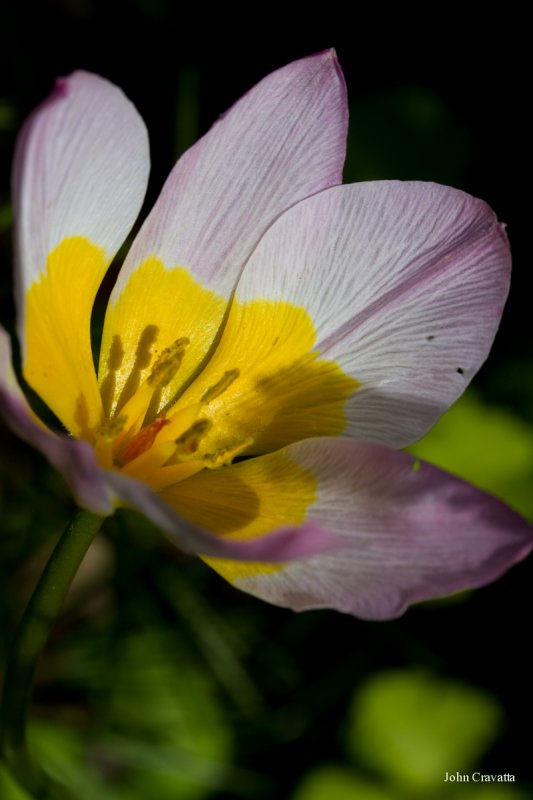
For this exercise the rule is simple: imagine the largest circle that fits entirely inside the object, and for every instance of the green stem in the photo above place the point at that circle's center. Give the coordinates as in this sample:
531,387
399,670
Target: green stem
29,642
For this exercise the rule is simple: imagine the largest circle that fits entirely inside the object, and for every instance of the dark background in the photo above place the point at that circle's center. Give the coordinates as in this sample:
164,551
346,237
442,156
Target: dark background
433,98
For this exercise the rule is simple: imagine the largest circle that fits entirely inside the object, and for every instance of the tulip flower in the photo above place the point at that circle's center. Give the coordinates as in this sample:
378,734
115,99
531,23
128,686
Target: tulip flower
273,340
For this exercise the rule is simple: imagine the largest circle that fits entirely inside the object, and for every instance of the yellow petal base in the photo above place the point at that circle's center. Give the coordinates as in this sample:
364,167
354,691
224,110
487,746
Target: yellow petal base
264,386
244,501
57,361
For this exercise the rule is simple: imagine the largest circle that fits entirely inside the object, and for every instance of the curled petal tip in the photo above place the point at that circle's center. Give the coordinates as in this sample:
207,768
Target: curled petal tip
61,88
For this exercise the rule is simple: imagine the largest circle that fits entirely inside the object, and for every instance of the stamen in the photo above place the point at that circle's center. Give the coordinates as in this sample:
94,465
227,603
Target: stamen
135,409
143,357
180,422
221,385
141,405
162,372
189,441
116,354
226,454
113,428
114,362
168,363
106,440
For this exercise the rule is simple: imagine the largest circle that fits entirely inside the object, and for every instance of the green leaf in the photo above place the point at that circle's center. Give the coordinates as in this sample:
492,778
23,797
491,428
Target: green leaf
414,727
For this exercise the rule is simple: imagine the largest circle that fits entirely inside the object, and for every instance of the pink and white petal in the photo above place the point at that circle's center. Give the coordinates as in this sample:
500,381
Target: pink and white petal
73,459
279,545
405,283
409,532
284,140
81,169
79,178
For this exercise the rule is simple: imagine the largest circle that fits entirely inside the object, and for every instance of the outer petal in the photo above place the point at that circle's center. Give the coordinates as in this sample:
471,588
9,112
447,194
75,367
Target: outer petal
80,174
407,531
405,284
281,142
283,542
74,459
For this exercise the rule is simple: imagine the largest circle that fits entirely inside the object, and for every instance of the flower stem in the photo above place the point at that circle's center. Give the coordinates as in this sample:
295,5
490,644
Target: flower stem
29,642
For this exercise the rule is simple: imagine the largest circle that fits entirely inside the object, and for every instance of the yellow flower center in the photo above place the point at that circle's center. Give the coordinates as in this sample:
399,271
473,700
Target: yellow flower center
159,448
185,384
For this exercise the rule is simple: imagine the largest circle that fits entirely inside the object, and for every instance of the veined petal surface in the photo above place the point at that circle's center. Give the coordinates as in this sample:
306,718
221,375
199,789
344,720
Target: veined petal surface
73,459
80,174
406,531
404,284
282,141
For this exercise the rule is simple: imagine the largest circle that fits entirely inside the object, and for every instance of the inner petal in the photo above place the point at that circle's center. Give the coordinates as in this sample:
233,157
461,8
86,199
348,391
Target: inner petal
57,359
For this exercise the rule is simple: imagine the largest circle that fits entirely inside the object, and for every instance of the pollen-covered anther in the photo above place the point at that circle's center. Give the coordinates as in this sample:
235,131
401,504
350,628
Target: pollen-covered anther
189,441
168,363
226,454
220,386
113,428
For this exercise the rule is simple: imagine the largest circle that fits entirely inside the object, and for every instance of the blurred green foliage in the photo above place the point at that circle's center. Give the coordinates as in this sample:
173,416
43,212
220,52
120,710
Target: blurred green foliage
407,132
413,727
486,445
340,782
406,729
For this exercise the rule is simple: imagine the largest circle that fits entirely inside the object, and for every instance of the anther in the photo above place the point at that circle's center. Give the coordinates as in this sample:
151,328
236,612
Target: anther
143,357
116,354
225,455
224,383
114,427
114,363
168,363
189,441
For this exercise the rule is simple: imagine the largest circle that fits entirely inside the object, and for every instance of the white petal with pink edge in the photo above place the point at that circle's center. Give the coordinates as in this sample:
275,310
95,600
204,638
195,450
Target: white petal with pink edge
405,283
410,532
81,169
282,141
